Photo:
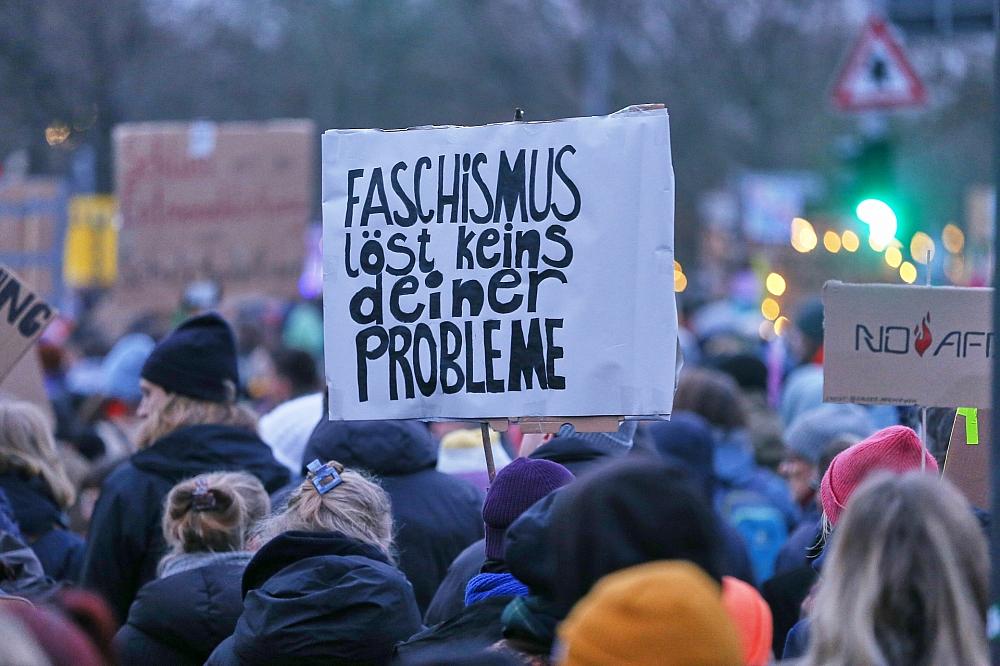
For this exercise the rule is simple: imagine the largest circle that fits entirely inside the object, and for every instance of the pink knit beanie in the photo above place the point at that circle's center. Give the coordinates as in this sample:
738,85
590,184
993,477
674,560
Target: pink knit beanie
894,449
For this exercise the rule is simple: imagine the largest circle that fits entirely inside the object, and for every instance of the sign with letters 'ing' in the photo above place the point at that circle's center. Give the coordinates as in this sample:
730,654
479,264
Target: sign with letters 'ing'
907,345
510,270
23,317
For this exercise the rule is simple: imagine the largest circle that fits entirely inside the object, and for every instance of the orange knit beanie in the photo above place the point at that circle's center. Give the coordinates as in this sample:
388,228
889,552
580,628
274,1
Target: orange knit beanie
664,613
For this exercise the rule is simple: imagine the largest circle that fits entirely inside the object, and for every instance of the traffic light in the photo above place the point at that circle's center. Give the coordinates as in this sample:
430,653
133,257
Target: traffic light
873,195
881,220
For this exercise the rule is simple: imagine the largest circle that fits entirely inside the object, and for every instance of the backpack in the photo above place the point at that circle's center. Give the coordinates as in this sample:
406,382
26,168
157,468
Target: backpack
759,522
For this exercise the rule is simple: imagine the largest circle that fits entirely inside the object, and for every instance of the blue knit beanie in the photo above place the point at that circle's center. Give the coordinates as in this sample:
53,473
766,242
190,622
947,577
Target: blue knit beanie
515,488
812,431
196,360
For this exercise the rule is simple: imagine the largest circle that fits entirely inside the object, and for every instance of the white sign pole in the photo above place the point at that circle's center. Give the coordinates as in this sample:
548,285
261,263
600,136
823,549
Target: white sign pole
925,436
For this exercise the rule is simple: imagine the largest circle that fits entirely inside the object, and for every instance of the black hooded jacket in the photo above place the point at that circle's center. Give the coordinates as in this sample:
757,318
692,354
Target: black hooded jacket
44,525
436,515
181,619
319,598
125,542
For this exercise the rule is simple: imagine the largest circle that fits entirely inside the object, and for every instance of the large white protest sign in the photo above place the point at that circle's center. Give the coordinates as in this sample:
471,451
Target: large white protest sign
907,345
510,270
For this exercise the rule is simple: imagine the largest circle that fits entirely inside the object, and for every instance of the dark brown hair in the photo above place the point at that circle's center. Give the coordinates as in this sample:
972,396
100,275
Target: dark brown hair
712,395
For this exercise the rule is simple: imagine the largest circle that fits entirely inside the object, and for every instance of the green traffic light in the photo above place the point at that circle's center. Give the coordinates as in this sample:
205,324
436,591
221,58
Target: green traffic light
880,218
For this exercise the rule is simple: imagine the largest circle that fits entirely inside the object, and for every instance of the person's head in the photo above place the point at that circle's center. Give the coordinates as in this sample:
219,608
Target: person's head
894,449
28,449
213,512
746,368
808,437
664,612
357,507
712,395
906,581
752,617
687,439
516,487
191,378
807,335
617,443
294,374
627,513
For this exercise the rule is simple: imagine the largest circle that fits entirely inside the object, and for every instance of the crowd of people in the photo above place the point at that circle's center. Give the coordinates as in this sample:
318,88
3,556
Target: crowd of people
182,499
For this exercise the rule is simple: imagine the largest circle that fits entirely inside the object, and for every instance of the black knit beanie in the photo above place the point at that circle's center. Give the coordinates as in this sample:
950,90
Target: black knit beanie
196,360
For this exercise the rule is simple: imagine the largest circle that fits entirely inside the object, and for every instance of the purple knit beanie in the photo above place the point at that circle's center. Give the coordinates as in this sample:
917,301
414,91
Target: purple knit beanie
515,488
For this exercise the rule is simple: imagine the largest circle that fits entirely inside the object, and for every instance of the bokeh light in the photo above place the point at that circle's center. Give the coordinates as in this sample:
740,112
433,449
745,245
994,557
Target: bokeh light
56,133
804,237
680,281
877,244
955,269
850,241
831,241
953,238
893,256
908,272
770,309
920,246
780,325
881,220
775,284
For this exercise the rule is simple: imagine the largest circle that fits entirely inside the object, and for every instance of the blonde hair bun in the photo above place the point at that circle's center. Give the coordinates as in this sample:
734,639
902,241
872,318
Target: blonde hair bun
213,512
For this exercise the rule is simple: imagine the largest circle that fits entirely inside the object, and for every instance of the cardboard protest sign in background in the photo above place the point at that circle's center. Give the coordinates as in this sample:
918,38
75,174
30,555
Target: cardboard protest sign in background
23,317
968,466
25,382
511,270
907,345
228,202
32,227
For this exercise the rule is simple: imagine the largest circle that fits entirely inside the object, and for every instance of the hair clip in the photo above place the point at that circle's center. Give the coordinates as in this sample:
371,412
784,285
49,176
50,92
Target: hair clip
202,499
324,478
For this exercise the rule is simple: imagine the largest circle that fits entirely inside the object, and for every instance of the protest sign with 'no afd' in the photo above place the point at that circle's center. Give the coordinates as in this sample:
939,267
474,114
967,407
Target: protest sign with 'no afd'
907,345
23,317
511,270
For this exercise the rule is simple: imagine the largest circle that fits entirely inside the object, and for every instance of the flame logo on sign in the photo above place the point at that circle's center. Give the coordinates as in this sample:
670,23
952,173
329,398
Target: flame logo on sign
923,333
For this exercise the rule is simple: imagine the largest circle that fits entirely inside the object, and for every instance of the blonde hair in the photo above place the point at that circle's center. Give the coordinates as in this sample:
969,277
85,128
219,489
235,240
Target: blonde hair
358,508
906,581
27,448
213,512
179,411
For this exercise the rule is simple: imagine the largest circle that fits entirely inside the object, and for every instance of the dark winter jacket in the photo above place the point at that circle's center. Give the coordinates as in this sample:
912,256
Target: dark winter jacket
449,600
436,515
784,594
319,598
21,573
44,526
125,541
181,619
477,626
795,553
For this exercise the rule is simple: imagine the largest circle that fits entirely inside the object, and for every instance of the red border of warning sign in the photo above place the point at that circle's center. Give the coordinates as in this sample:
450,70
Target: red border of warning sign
877,29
